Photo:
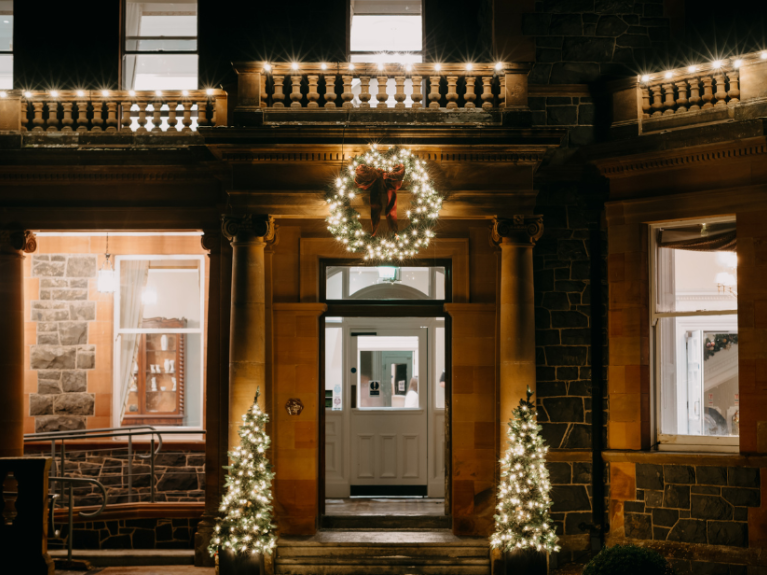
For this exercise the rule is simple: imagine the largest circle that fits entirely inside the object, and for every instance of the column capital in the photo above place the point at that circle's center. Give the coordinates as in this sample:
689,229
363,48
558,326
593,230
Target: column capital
14,241
210,240
248,228
519,229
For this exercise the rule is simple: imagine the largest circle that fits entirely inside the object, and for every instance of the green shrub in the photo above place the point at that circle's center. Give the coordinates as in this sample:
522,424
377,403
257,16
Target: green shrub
628,560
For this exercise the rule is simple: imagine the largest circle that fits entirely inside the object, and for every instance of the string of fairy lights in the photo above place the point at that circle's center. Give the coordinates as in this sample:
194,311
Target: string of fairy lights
344,222
522,521
246,525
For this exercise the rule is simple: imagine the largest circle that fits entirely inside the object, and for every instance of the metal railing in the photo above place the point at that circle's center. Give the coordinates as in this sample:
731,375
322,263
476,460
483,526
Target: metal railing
71,481
62,448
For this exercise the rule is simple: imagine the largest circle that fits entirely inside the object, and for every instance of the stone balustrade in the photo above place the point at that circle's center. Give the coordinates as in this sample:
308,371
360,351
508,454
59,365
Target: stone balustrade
695,94
324,86
112,110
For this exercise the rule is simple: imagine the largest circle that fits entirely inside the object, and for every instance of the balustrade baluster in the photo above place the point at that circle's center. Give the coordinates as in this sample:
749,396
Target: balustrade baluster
98,116
157,115
111,116
142,121
313,95
694,94
502,91
278,99
126,119
657,101
681,100
330,90
365,94
417,96
734,93
67,120
38,121
399,95
668,104
708,94
721,90
202,113
295,91
382,94
347,96
487,92
646,101
264,93
452,95
172,120
82,116
187,120
53,116
434,94
470,96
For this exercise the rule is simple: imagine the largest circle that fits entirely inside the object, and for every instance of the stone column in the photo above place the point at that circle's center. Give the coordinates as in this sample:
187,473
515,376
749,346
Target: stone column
247,349
516,237
13,245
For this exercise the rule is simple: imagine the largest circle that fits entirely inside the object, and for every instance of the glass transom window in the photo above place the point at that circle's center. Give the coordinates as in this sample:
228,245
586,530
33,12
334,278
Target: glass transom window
385,282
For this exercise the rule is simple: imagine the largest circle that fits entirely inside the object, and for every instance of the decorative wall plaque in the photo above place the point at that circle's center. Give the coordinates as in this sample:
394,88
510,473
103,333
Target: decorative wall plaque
294,406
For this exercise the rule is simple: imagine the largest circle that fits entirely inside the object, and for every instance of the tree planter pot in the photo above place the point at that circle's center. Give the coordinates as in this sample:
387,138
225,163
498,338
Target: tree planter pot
230,563
525,561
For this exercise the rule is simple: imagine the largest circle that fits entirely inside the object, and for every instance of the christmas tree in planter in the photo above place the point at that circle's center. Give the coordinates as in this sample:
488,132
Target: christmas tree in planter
245,533
522,527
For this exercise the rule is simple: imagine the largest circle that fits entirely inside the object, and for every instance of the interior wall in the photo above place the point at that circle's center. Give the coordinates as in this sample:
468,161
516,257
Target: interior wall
52,401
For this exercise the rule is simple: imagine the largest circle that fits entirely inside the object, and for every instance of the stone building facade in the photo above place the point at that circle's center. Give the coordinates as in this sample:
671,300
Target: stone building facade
573,149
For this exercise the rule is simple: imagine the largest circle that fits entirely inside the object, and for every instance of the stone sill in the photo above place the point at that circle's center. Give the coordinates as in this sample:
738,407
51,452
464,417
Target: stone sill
44,447
685,458
162,510
569,455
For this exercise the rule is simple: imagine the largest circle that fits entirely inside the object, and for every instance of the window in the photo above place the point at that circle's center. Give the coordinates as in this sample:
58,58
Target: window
160,45
6,44
694,314
385,31
385,282
159,317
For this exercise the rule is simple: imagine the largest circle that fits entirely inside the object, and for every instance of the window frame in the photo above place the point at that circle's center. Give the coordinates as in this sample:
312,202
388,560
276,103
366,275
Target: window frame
117,330
668,441
350,53
125,52
10,53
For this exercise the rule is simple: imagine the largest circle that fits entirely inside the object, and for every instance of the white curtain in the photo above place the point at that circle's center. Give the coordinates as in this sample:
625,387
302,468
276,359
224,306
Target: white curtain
133,276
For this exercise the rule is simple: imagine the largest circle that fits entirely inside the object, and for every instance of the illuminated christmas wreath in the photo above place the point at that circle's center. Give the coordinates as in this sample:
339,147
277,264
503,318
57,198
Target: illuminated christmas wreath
382,175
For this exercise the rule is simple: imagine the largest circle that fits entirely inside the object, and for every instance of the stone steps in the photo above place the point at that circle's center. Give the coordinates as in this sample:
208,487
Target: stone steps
430,552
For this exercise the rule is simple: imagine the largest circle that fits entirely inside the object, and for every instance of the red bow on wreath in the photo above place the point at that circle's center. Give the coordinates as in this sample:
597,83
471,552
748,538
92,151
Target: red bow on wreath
383,188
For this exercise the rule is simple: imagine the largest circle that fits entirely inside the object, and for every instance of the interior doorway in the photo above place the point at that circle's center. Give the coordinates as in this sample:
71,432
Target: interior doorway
385,386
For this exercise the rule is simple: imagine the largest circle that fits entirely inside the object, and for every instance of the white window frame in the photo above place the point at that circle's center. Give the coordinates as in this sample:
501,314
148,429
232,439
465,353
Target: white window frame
9,53
116,396
667,441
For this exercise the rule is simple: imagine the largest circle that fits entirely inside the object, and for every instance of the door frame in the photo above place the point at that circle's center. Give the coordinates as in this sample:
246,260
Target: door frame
373,309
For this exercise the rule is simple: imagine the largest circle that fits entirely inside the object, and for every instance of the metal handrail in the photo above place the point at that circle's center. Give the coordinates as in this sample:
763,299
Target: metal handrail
72,481
129,431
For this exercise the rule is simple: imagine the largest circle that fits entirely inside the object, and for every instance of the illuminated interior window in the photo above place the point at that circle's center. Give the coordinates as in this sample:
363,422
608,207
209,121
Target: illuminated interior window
386,31
6,44
160,45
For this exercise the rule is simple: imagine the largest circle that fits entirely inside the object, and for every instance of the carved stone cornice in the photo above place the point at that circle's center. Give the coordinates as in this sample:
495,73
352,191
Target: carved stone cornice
104,174
519,229
238,229
15,241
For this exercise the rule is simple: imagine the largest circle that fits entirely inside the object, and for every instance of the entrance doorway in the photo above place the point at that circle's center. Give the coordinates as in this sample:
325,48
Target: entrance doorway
385,384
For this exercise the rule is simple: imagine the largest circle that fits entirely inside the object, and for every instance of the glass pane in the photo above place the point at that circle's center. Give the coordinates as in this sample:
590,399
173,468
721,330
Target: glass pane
160,72
156,292
439,372
334,369
385,283
6,72
149,21
392,33
387,372
699,375
695,281
6,26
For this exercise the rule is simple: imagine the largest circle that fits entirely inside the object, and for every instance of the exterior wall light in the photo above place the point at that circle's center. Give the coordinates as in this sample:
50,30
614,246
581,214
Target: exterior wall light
54,93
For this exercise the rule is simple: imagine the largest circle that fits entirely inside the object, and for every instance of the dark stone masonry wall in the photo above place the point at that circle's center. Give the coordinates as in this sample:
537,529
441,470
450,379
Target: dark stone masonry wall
128,534
692,504
179,476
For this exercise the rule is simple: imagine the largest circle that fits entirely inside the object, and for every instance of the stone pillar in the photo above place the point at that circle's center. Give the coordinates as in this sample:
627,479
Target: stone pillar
516,237
216,392
247,349
13,245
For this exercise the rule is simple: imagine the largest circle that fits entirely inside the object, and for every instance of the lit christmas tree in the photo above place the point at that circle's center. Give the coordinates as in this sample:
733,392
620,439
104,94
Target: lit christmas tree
247,506
522,521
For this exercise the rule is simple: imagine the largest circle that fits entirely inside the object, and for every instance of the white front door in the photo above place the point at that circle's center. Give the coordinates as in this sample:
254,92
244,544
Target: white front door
386,433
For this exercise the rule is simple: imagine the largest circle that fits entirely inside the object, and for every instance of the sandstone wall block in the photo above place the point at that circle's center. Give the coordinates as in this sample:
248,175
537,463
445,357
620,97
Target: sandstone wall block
74,404
81,266
52,357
